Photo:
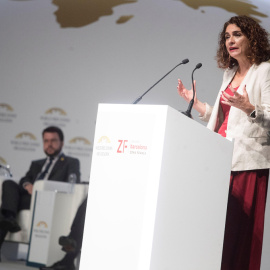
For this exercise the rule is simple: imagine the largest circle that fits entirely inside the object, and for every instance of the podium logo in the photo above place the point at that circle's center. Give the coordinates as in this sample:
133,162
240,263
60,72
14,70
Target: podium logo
42,224
104,139
41,230
103,147
133,147
122,146
25,141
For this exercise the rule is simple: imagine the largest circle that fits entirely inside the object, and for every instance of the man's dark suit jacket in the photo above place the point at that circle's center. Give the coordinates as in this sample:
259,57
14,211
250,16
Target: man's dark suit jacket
64,166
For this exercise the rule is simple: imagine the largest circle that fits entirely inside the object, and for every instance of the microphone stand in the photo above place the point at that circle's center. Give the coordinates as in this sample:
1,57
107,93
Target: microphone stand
188,111
140,97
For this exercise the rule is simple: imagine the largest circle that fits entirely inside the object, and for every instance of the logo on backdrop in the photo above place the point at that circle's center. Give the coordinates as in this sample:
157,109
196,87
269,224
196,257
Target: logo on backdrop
25,141
7,114
79,147
55,117
3,161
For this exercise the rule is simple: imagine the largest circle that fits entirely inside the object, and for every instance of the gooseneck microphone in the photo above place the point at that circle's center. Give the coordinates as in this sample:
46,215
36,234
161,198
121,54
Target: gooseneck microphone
185,61
188,111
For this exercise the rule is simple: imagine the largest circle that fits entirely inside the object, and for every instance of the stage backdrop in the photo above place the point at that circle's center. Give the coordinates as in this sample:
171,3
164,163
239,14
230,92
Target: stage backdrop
60,58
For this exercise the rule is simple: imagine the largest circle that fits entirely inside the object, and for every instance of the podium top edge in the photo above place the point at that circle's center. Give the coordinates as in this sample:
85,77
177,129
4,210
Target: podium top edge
111,105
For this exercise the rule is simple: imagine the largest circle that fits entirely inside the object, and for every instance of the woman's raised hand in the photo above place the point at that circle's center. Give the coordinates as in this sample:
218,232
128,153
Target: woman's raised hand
238,101
187,95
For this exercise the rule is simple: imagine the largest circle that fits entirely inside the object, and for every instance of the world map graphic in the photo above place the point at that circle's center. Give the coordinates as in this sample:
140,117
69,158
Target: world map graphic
79,13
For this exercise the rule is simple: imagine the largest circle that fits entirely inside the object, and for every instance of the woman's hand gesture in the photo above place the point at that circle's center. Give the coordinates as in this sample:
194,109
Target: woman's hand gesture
187,95
238,101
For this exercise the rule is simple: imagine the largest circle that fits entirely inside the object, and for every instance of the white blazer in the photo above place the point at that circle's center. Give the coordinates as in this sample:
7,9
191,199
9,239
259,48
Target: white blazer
251,135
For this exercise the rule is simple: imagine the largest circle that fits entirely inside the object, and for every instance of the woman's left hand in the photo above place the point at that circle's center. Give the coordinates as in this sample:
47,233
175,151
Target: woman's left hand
238,101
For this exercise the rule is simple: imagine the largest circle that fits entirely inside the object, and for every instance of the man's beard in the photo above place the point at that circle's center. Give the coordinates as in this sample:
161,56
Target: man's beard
55,153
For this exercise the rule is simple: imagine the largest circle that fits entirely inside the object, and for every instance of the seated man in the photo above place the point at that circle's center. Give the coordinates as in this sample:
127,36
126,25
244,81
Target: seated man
72,243
56,166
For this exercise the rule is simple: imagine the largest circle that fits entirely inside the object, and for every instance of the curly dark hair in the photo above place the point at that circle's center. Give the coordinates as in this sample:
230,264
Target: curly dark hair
258,42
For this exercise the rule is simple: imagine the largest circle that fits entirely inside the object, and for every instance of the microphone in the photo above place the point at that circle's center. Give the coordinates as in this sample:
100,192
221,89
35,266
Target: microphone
188,111
185,61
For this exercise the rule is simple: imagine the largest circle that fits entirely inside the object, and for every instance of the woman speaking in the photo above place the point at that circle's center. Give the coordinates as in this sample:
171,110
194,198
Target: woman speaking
242,112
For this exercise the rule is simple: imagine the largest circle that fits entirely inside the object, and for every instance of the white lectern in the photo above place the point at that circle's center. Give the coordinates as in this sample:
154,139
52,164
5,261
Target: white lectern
51,219
158,191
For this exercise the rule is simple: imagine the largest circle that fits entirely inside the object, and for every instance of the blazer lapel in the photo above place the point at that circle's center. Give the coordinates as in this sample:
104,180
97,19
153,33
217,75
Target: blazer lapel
235,115
214,116
38,167
243,83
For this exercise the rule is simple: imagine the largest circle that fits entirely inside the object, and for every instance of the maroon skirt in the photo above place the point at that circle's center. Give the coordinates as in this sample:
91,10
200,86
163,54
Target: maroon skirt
243,237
